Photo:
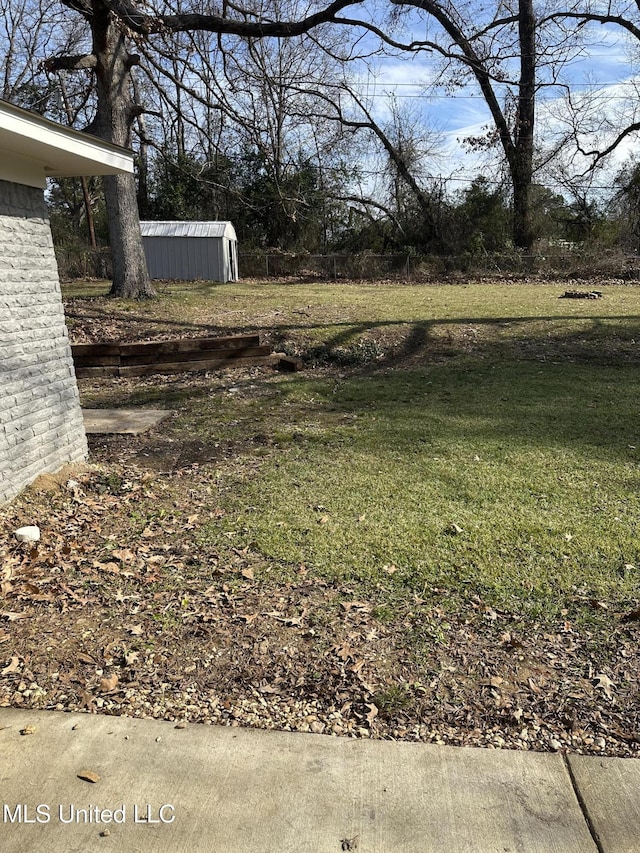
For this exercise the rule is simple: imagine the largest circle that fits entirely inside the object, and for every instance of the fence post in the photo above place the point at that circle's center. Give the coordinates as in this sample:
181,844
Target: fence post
407,267
266,257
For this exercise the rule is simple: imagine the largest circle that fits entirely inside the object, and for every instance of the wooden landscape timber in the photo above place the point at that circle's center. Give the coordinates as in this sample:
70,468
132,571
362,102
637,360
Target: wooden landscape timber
169,356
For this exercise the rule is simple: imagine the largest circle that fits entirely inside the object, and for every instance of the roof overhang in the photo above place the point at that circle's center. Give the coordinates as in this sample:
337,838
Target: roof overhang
33,148
172,228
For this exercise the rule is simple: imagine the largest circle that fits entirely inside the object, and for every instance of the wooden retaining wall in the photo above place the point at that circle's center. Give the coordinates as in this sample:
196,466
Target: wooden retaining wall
174,356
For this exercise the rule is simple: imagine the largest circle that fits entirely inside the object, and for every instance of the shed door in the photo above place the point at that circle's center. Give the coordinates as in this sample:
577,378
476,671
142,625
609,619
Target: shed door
233,260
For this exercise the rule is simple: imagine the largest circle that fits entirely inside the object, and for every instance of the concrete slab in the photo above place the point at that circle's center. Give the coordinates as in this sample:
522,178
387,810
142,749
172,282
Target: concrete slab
610,791
130,421
229,790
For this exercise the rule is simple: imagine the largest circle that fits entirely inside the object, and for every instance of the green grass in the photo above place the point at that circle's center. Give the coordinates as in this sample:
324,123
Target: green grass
537,467
498,408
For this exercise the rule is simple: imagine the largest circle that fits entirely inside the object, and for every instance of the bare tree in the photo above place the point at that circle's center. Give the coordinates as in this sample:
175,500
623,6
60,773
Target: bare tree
487,50
28,29
503,49
250,113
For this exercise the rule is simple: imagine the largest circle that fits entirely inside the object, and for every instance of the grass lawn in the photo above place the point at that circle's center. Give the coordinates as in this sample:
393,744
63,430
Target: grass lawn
441,510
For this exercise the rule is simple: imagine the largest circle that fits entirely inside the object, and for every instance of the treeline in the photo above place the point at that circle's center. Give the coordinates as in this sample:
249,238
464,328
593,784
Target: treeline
311,217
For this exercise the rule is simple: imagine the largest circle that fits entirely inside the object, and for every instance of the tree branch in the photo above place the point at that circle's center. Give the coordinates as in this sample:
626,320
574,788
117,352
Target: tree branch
599,19
145,24
70,63
599,155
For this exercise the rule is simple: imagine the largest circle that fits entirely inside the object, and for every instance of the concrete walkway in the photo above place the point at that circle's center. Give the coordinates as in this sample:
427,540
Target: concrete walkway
122,421
75,782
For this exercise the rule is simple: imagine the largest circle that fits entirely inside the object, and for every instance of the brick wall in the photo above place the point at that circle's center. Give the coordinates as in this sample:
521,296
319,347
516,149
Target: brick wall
41,425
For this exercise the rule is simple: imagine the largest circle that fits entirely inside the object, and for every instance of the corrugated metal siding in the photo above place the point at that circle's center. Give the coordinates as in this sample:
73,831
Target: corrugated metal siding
183,258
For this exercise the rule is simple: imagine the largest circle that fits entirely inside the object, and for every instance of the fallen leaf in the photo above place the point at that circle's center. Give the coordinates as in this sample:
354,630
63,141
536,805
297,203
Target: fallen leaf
344,651
12,616
114,568
28,730
605,684
355,605
372,712
248,574
632,615
125,555
136,630
89,776
107,684
14,666
87,700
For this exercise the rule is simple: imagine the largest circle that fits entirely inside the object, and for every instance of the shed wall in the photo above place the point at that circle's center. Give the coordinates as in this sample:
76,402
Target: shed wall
187,258
41,425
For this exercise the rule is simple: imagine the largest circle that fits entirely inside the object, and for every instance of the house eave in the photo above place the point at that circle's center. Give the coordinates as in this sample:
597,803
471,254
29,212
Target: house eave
33,148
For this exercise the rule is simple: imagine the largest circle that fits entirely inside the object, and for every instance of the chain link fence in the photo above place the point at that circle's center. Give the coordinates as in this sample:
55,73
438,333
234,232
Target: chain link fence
74,263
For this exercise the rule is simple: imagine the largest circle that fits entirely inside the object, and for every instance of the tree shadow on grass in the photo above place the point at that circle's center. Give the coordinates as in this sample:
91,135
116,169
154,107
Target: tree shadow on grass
546,406
552,385
597,340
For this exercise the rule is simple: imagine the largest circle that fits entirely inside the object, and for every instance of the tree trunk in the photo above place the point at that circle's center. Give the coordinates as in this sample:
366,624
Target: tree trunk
114,116
522,166
143,155
521,227
130,276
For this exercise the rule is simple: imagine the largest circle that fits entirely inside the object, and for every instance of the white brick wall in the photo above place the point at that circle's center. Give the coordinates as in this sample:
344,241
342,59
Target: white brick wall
40,419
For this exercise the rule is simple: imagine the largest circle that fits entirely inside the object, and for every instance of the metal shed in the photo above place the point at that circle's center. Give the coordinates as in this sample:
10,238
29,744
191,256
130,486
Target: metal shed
191,250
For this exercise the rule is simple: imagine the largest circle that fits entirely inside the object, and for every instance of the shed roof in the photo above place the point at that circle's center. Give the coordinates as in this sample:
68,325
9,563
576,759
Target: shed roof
188,229
33,147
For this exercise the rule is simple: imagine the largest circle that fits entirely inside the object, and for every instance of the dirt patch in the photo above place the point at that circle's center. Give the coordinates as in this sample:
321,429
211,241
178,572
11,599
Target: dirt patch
159,453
